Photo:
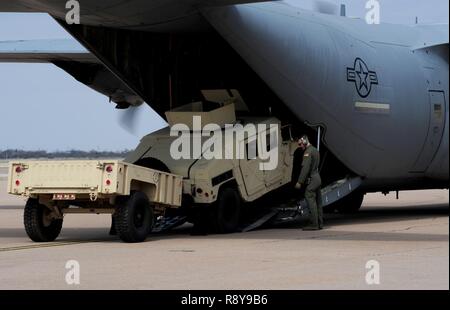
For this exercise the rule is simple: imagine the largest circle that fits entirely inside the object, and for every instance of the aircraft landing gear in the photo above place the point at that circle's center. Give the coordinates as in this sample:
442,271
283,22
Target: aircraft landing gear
349,204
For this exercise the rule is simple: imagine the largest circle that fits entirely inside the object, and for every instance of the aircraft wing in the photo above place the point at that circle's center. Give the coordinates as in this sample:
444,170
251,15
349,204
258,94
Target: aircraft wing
73,58
137,16
55,5
131,14
44,51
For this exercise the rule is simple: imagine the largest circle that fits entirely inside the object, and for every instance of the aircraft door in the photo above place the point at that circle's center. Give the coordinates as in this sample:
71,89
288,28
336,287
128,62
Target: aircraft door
435,130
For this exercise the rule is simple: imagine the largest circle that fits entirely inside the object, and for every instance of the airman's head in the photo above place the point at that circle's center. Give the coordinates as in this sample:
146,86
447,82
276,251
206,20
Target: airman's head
303,142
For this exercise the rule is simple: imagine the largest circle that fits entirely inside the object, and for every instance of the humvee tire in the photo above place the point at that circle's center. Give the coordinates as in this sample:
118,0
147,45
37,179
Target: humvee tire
350,203
134,218
226,211
38,224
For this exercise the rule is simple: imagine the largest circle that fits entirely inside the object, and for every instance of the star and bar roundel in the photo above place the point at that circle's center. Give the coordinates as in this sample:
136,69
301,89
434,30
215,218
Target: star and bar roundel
362,77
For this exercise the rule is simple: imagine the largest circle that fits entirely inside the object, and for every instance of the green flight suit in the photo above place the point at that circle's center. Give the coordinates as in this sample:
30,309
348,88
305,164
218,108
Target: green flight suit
309,177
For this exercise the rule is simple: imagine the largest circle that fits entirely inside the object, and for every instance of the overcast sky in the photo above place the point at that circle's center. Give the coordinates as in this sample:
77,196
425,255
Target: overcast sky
42,107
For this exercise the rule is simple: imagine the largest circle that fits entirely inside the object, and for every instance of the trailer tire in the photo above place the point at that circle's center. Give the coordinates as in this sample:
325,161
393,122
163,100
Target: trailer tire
226,211
38,225
134,218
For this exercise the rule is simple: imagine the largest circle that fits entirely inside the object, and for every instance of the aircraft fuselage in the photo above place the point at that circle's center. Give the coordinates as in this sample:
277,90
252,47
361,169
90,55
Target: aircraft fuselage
380,95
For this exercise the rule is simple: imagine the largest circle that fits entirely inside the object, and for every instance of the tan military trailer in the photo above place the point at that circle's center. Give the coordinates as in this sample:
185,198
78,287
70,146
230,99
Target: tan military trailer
153,182
134,195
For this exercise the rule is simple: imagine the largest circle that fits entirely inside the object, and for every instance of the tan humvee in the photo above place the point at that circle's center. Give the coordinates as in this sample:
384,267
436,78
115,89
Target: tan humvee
218,187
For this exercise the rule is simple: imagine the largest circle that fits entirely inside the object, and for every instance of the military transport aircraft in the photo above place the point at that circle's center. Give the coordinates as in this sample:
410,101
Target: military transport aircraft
378,93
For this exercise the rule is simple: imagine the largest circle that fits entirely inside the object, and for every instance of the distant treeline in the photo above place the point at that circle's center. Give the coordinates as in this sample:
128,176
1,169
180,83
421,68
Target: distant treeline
14,154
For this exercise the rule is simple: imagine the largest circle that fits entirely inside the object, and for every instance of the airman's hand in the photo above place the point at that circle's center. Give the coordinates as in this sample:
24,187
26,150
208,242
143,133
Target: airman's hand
298,186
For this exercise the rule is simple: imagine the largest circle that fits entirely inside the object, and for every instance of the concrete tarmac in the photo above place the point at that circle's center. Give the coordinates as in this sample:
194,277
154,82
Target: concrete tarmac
408,238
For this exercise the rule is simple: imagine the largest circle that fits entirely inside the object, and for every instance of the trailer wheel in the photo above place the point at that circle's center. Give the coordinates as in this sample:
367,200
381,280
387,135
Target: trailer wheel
134,218
226,212
39,225
351,203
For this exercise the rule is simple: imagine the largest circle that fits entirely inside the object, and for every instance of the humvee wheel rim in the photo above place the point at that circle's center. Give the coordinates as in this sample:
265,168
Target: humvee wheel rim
139,216
47,218
230,209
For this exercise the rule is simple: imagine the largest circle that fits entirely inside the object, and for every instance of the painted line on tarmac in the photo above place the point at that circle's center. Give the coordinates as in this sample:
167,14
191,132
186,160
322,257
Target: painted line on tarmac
49,245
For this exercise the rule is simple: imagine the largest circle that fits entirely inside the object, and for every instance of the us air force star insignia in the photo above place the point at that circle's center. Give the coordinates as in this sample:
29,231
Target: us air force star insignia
362,77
